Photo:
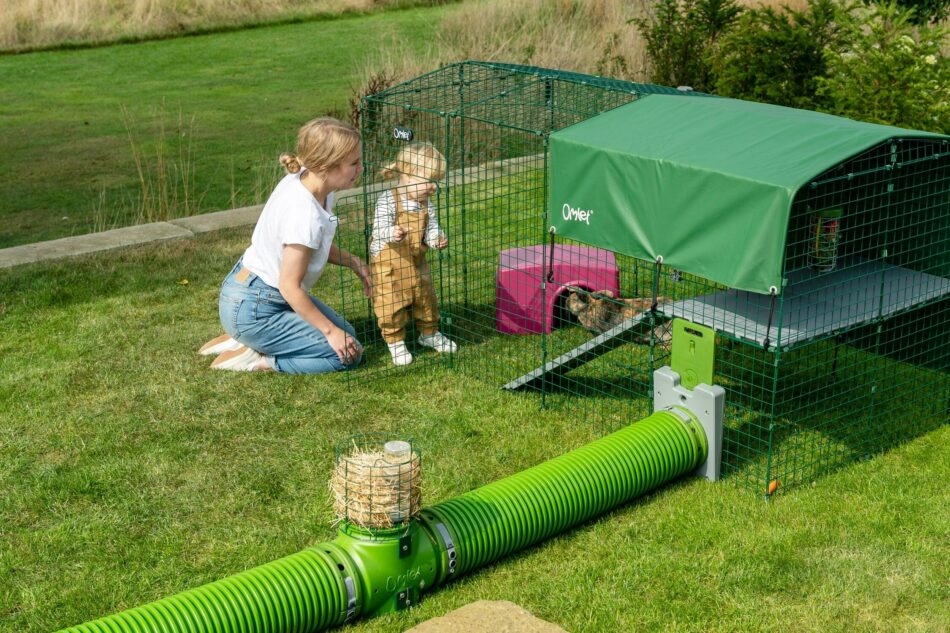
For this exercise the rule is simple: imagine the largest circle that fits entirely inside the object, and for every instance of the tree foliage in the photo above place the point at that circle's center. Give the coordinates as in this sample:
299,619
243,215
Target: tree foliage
880,63
681,38
932,11
777,56
887,70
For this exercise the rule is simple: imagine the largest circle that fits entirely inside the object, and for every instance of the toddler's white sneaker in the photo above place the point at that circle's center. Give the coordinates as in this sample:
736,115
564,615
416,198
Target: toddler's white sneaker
438,342
400,353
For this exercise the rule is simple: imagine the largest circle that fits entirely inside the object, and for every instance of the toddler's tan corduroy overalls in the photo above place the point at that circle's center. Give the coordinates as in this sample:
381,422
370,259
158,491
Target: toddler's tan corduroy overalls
402,280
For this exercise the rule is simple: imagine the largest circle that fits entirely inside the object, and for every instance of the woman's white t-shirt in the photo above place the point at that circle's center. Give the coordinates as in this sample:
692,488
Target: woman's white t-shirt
291,216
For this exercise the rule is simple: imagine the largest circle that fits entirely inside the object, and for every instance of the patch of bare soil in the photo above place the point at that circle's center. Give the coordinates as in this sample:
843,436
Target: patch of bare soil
487,616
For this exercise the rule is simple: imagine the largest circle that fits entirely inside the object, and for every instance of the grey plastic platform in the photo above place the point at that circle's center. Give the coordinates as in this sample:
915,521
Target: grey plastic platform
814,305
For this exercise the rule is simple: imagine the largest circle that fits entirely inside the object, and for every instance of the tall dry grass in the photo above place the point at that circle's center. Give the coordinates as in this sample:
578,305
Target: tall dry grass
586,36
162,151
26,24
577,35
166,171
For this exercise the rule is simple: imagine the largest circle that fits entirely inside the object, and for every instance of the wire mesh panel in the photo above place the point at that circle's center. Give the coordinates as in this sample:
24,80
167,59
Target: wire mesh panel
871,368
398,224
851,356
490,123
848,357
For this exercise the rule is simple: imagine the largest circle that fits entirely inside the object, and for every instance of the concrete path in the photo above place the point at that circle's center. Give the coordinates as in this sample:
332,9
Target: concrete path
127,236
196,224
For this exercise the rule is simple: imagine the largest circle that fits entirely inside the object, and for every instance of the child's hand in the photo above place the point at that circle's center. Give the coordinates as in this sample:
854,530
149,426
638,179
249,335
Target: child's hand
442,242
399,233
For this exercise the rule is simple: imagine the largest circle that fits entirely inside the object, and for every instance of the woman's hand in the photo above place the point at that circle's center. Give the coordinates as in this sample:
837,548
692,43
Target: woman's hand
345,346
362,271
340,257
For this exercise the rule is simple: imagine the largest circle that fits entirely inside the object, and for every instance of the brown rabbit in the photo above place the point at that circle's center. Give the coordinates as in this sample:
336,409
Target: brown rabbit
597,312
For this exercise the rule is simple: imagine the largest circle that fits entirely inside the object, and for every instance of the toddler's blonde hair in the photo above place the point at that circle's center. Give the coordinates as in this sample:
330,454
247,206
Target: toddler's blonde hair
417,159
322,144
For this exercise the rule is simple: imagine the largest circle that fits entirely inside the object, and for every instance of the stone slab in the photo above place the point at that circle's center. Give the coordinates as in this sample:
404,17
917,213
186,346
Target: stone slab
487,616
208,222
91,243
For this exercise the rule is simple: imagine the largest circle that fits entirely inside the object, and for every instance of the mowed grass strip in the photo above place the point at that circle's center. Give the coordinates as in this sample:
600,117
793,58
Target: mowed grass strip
67,166
38,24
130,471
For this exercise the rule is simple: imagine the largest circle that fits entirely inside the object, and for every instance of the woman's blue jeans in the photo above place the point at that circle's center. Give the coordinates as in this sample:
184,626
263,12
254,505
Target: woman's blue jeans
256,314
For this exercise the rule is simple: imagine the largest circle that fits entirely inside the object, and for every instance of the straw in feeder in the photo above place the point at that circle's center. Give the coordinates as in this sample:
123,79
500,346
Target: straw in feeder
377,486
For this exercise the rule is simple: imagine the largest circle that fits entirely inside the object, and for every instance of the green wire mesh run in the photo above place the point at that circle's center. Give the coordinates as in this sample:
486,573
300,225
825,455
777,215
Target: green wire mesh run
491,123
849,358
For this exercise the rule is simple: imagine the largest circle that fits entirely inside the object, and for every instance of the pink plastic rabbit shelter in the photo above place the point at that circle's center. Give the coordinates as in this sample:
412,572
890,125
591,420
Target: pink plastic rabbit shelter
521,307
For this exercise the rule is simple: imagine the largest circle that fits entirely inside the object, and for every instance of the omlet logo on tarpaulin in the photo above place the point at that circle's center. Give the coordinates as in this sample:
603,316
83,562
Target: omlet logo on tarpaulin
571,214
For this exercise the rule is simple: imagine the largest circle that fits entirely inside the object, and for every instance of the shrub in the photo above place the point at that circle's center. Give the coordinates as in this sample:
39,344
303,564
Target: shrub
886,70
777,56
681,37
377,82
925,11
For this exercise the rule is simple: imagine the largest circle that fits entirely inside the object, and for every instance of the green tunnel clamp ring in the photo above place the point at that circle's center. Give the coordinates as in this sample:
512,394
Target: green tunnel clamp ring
449,546
351,602
693,425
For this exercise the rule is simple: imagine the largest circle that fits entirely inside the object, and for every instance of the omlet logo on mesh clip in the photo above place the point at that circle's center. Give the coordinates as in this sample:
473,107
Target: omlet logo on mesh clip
401,133
576,215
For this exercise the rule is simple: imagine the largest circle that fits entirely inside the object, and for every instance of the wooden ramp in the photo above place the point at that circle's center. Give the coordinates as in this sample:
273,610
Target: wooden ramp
594,348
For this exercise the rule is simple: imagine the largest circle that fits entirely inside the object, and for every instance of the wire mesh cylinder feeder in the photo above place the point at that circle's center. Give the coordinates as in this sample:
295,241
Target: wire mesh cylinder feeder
823,254
376,483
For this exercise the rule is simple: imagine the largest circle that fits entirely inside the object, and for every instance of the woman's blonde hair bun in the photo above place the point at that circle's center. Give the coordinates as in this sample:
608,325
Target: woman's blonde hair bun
290,162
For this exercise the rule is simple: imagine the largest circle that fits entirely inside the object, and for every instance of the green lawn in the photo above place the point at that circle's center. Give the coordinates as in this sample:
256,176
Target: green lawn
130,471
241,96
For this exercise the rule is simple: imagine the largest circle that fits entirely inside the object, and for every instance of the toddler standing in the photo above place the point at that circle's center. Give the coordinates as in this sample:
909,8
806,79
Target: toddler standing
405,227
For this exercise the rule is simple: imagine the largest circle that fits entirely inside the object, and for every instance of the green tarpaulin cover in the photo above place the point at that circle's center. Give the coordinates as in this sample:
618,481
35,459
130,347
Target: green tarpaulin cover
706,183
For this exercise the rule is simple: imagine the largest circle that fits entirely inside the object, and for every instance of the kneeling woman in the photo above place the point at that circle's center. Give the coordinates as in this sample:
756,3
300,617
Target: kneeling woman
272,321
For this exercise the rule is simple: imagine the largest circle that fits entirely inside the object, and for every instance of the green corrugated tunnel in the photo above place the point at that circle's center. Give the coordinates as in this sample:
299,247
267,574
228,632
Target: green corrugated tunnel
366,574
